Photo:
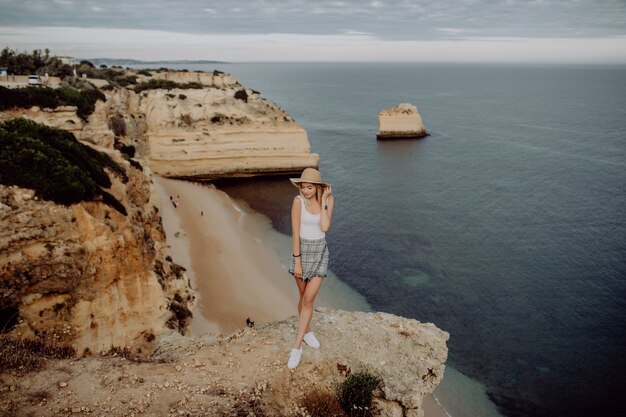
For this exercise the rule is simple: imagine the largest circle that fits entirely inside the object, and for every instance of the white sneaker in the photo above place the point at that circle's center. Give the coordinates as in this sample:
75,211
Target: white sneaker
311,340
294,358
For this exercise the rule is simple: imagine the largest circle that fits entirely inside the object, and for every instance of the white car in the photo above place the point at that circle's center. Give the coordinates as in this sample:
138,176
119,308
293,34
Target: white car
34,80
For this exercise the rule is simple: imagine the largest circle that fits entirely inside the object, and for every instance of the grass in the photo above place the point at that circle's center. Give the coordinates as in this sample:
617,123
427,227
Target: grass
320,403
29,355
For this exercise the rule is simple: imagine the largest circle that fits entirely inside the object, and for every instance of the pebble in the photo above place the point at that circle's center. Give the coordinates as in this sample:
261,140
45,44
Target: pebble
62,384
179,368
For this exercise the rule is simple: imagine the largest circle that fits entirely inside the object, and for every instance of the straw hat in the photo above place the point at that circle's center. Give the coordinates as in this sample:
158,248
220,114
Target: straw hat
309,175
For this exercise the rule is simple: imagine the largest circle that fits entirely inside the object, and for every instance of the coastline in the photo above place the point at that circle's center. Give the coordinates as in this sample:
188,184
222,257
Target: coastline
226,246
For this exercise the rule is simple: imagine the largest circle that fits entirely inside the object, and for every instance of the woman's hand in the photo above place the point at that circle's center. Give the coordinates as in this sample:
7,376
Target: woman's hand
326,193
297,270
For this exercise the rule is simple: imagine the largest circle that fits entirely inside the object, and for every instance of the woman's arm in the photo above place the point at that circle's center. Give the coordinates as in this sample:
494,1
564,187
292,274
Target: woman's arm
328,202
295,226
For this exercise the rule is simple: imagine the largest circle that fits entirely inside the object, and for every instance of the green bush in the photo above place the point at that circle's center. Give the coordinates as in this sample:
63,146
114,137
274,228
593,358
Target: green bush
241,95
355,394
85,101
53,163
27,97
154,84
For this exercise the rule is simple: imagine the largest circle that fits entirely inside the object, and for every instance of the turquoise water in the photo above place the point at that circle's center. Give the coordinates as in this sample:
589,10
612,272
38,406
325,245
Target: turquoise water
505,227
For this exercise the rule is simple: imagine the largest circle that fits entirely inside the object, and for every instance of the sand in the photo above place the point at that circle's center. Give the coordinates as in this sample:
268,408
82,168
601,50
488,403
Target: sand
235,273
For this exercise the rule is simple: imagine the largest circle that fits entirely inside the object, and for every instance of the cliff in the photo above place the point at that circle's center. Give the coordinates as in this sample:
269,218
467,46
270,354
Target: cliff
88,276
401,121
85,274
244,373
218,130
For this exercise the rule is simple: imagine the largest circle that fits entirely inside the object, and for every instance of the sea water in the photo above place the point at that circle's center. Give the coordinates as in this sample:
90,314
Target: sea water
505,227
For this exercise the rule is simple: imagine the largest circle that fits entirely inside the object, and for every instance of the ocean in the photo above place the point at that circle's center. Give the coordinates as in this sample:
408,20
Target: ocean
505,227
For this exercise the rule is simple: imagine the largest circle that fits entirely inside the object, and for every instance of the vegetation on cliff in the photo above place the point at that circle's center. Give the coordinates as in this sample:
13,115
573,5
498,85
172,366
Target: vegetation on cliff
85,101
154,84
53,163
36,62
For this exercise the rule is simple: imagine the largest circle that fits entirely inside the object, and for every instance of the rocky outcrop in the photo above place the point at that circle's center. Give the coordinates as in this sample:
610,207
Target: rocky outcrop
210,134
399,122
220,130
86,275
63,117
216,79
245,373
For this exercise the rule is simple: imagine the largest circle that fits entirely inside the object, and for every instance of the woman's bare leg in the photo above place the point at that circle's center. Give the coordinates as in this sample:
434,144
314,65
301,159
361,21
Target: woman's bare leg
301,288
306,308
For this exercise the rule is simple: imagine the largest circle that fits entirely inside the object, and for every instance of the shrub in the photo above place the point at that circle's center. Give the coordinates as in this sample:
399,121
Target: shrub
319,403
182,96
117,125
53,163
29,355
144,72
355,394
241,95
85,101
153,84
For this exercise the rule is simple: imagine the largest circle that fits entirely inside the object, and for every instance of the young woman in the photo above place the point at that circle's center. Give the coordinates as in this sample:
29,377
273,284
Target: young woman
311,214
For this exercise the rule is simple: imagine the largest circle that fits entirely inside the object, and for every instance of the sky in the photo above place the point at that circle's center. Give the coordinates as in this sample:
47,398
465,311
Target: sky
509,31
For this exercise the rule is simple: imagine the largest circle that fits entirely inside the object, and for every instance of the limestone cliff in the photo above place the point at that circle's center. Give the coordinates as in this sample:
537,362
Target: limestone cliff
245,373
401,121
219,130
210,134
87,275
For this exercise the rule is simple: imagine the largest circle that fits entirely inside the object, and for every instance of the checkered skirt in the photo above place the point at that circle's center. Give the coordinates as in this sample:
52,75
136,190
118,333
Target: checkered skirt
314,256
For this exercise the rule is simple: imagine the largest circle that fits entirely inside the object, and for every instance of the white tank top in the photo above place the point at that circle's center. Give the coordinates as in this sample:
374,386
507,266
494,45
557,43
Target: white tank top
310,223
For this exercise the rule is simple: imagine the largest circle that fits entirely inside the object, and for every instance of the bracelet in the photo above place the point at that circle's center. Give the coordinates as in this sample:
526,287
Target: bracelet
296,256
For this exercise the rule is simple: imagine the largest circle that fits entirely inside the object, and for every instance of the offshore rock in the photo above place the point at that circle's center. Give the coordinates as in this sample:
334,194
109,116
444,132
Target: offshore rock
400,122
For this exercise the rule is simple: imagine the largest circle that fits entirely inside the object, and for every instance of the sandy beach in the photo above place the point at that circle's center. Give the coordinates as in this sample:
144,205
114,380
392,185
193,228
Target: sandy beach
235,273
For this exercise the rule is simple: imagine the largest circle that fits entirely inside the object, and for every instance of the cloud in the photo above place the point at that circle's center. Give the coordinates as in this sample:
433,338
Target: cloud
390,20
161,45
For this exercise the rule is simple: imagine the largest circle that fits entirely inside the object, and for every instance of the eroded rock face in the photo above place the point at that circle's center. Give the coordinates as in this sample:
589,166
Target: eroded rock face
221,130
211,134
401,121
86,273
246,372
63,117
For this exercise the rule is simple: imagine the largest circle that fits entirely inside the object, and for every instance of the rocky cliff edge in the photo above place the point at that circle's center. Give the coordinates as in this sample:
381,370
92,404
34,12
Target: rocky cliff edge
244,373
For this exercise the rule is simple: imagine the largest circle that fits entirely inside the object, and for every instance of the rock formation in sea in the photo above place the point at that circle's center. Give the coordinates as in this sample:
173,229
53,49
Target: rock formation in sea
245,373
400,122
